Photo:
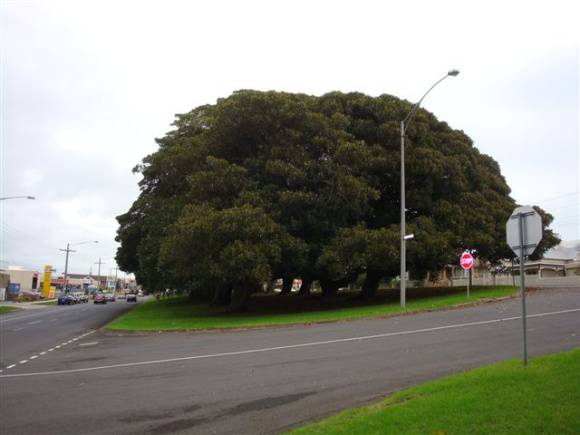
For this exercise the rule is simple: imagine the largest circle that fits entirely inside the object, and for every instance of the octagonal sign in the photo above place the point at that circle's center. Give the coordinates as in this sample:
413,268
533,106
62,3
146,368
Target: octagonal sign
466,260
531,230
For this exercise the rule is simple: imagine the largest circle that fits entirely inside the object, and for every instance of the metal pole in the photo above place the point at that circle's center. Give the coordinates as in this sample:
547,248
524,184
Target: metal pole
468,282
406,121
99,274
66,266
523,285
403,250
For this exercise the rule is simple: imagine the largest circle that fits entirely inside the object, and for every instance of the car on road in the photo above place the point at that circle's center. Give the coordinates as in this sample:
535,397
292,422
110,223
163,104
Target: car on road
81,297
110,297
100,298
131,297
65,299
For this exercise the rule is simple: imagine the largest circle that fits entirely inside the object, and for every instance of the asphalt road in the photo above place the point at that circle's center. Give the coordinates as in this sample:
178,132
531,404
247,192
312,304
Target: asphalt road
28,333
269,380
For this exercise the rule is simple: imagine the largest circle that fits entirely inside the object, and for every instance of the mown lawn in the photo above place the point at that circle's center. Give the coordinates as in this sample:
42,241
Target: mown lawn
505,398
273,309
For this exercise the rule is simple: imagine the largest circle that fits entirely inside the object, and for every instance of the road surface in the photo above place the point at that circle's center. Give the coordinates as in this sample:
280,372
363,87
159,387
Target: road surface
24,334
269,380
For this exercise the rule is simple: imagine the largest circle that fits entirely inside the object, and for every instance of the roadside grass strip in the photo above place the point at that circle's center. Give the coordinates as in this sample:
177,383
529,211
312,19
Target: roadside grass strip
273,310
504,398
5,309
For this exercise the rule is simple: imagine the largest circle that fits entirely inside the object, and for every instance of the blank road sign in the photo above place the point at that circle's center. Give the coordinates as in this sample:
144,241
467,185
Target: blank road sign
531,229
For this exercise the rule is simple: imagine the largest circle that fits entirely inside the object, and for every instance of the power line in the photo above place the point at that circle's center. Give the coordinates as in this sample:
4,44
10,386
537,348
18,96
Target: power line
553,198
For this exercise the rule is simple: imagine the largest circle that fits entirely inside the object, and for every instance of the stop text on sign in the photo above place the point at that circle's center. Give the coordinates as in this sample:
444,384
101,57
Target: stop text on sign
466,260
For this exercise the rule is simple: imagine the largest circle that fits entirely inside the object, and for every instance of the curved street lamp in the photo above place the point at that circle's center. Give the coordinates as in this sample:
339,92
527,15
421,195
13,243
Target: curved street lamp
67,250
404,124
16,197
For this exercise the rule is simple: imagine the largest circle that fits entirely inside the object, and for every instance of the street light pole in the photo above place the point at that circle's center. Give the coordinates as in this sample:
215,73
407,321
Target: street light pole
404,125
16,197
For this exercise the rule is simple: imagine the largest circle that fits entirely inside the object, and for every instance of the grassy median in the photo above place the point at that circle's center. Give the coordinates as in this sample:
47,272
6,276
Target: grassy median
273,309
505,398
7,309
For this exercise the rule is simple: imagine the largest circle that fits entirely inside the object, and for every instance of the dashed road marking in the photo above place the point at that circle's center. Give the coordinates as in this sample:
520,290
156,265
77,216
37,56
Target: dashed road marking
291,346
24,361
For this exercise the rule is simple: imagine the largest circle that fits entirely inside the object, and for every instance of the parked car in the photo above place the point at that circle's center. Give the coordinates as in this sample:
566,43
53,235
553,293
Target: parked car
110,297
65,299
100,298
81,297
131,297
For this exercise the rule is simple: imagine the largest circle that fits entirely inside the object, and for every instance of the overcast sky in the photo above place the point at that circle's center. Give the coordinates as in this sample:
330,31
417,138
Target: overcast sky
87,86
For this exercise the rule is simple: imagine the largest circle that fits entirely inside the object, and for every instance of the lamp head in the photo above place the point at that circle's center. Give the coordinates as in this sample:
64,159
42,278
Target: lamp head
453,72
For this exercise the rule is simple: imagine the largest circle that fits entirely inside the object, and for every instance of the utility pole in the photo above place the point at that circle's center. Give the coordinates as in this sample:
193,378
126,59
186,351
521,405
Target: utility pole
116,271
67,250
99,273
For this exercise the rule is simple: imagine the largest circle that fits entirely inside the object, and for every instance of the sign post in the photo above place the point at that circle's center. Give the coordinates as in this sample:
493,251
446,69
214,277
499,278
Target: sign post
523,234
466,262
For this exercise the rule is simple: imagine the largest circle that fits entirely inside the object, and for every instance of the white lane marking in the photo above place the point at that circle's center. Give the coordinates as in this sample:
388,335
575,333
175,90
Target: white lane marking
35,322
292,346
57,347
49,350
17,329
90,343
11,365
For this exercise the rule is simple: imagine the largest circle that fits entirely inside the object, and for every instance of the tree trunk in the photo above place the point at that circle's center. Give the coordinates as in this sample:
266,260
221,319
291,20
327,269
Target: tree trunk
222,296
239,300
286,285
371,284
305,287
329,288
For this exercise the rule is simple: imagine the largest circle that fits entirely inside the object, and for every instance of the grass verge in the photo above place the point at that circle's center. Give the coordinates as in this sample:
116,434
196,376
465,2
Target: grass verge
504,398
7,309
269,310
53,302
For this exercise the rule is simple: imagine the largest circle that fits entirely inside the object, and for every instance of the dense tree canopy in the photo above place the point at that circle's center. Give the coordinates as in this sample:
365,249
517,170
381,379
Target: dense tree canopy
266,185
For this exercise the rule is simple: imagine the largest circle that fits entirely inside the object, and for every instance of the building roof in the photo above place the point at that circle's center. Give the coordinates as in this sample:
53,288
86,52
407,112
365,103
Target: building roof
566,250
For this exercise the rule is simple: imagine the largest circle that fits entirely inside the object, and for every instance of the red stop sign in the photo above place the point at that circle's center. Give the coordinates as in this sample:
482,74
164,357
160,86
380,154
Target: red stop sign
466,260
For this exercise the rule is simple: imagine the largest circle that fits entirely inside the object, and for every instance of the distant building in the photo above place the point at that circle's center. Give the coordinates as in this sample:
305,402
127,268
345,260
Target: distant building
27,279
561,260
